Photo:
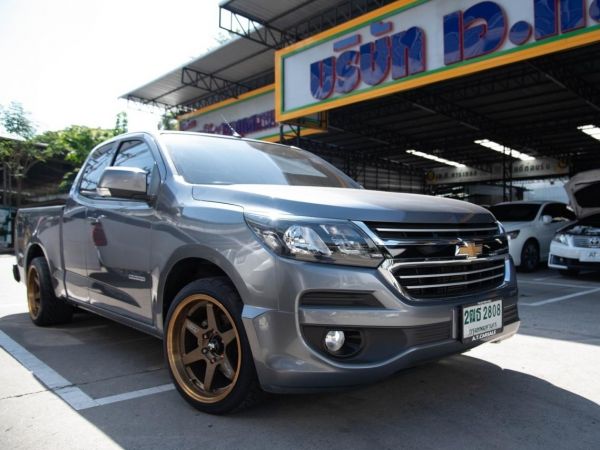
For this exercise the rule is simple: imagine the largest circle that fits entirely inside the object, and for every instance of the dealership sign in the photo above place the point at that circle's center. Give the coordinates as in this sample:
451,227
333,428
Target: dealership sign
252,115
411,43
537,168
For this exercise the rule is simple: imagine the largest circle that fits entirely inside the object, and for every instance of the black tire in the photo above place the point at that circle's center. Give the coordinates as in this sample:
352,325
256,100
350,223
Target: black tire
530,256
196,339
44,307
569,272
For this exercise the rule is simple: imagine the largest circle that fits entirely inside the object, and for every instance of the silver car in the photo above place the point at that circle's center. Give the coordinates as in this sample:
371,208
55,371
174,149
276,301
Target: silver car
263,267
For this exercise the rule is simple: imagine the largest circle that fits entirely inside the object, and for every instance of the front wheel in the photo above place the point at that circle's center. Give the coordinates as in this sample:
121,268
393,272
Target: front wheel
530,256
207,350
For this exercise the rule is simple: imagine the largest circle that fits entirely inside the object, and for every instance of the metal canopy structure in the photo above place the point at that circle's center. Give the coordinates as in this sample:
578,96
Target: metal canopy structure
238,66
535,106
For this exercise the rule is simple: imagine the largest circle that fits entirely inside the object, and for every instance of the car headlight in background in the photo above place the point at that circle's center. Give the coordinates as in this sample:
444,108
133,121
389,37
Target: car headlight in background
512,234
561,238
316,240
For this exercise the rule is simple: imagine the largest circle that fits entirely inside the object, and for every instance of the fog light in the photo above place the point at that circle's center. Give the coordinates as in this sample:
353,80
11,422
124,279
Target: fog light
334,340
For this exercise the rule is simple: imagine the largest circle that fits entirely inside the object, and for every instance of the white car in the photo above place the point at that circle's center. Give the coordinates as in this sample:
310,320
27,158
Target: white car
577,246
530,227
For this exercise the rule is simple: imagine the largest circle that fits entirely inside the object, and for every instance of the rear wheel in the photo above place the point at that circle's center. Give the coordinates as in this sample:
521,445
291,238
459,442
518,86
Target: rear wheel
44,307
530,256
206,348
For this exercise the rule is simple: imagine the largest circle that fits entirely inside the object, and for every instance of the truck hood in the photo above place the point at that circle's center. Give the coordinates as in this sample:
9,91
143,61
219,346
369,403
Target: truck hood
350,204
584,193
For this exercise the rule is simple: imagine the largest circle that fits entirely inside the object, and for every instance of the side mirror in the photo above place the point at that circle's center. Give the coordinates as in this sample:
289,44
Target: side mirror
123,182
546,219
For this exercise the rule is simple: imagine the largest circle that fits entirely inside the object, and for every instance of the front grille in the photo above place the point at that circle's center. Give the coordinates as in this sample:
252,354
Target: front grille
586,241
440,279
403,231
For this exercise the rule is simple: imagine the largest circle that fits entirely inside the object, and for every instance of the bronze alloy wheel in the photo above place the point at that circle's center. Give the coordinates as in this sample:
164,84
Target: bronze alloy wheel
33,292
203,348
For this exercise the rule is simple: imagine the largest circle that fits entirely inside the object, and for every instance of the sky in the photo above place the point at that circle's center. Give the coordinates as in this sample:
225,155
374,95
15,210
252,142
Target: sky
67,62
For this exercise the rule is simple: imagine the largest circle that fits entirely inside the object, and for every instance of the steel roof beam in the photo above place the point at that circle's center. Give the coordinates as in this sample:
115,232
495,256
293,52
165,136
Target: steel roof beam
211,83
263,32
564,78
218,95
323,148
254,29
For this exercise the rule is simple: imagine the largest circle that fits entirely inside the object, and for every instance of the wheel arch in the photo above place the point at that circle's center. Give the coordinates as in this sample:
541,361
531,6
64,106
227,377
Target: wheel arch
186,265
34,250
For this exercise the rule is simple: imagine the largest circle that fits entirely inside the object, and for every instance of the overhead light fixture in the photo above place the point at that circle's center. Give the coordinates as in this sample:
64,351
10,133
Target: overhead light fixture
504,149
591,130
435,158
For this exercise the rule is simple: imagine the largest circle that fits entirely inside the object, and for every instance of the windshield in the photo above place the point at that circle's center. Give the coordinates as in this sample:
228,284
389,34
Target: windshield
520,212
209,160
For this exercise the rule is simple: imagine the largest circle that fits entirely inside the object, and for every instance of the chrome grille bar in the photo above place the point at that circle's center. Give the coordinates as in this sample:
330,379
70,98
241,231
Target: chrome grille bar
452,274
458,283
433,230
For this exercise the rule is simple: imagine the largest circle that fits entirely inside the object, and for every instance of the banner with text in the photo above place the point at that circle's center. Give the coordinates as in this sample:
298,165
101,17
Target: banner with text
252,115
410,43
540,168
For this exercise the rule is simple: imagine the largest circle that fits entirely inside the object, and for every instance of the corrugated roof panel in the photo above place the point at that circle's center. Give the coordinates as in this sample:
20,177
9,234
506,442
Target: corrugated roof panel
234,61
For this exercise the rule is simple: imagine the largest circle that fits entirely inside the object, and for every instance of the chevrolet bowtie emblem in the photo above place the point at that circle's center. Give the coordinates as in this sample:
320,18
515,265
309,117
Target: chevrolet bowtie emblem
469,249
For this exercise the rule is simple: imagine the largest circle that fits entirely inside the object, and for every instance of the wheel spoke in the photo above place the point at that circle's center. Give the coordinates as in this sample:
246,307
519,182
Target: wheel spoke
210,317
193,328
228,336
209,375
193,356
226,368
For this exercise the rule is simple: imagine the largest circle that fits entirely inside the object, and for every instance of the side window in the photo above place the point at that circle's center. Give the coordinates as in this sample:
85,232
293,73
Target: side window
563,213
92,172
136,153
559,212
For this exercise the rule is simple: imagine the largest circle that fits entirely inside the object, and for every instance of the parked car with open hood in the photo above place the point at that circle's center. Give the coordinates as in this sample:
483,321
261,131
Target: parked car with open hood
577,246
530,227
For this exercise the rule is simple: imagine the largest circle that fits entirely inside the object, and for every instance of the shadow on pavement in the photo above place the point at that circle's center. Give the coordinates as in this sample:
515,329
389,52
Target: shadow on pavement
458,402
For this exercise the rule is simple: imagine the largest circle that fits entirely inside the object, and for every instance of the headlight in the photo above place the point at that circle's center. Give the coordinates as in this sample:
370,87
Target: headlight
561,238
317,240
513,234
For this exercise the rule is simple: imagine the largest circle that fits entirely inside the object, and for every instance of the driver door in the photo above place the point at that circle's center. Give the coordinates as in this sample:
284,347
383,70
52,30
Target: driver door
121,233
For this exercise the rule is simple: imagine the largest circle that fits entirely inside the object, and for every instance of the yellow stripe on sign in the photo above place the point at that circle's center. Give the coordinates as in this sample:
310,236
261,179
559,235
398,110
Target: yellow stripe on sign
222,104
559,43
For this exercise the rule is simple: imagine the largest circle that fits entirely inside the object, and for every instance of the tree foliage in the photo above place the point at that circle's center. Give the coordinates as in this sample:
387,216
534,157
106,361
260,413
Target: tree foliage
168,121
73,144
19,153
16,122
122,123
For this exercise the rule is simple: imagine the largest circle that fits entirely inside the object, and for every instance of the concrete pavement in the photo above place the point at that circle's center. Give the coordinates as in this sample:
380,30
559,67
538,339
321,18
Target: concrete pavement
540,389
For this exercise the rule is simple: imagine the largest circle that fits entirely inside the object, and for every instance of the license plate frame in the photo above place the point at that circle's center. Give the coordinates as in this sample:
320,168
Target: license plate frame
591,255
483,324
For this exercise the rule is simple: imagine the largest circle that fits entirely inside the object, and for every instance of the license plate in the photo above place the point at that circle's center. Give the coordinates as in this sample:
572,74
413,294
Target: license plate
481,320
590,256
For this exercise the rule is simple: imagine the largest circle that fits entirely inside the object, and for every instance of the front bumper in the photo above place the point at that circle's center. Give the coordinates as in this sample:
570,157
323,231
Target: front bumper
400,332
565,257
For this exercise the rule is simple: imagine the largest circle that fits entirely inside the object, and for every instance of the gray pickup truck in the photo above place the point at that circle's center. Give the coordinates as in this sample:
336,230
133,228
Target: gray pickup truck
264,268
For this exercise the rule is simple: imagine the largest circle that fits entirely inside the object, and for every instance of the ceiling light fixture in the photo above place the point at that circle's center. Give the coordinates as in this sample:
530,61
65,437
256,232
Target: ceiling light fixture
591,130
504,149
435,158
